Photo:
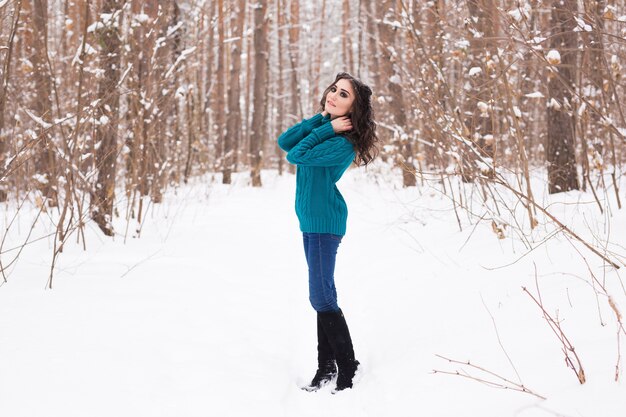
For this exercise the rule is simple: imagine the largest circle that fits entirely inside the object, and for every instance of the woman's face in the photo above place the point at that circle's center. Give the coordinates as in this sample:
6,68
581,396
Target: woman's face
340,98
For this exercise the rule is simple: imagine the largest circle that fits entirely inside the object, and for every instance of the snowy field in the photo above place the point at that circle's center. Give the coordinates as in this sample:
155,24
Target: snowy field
207,313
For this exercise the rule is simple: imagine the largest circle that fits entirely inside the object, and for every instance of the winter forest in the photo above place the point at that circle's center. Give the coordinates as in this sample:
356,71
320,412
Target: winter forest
150,253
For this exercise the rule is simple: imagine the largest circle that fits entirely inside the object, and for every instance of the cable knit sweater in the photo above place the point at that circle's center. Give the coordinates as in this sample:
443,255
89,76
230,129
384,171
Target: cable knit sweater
321,157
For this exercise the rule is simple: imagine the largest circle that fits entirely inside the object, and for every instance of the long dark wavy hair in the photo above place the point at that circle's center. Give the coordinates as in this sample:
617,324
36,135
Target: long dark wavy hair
363,133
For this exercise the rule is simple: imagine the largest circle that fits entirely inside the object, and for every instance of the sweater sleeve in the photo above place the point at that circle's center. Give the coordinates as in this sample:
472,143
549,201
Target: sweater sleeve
321,148
290,137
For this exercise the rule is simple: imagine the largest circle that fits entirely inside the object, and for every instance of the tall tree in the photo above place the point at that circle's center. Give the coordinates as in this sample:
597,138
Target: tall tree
220,105
45,161
432,13
293,51
390,70
561,156
4,86
233,120
317,59
135,117
108,37
346,44
150,47
167,116
259,116
280,113
245,146
209,71
370,44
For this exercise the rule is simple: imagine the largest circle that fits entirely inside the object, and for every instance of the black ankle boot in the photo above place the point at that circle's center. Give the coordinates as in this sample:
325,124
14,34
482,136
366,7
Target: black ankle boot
325,373
336,329
326,366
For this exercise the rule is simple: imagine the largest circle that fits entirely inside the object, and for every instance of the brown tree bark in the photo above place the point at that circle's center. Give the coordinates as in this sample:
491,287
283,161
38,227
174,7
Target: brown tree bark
317,61
432,13
135,115
348,56
282,94
293,51
233,121
372,48
210,80
4,86
261,48
73,26
388,62
245,146
562,175
148,89
220,105
103,197
45,161
166,121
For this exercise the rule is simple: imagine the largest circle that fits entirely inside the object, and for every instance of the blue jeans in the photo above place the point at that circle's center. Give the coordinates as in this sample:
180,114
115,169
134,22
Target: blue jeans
320,250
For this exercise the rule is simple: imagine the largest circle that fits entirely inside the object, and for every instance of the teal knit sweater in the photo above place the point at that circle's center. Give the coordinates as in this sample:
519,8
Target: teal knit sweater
321,157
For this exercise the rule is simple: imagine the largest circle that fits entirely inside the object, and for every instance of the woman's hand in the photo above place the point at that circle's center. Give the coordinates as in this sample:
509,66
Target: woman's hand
324,113
342,124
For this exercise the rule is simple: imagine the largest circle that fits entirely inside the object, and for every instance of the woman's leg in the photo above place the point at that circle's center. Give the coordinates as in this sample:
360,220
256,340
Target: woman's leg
326,365
321,255
336,329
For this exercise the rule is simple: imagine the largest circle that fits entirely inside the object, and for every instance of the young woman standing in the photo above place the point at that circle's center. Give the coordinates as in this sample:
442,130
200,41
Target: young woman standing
323,147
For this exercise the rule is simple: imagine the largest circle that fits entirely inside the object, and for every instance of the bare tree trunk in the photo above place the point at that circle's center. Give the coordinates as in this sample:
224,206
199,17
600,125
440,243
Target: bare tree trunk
562,175
149,88
280,114
168,115
160,95
233,121
433,40
348,56
371,37
317,60
372,67
245,146
208,103
103,196
135,115
294,112
293,50
4,86
200,81
45,160
261,48
219,87
390,70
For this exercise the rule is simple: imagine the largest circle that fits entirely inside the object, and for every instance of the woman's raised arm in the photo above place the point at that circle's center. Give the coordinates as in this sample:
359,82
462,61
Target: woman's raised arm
290,137
323,148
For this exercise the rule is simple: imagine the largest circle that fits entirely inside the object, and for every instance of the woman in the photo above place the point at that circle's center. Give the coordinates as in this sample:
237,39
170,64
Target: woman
323,147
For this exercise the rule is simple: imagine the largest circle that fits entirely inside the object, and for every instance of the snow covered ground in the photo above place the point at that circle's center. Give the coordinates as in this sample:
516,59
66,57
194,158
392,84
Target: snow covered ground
207,313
